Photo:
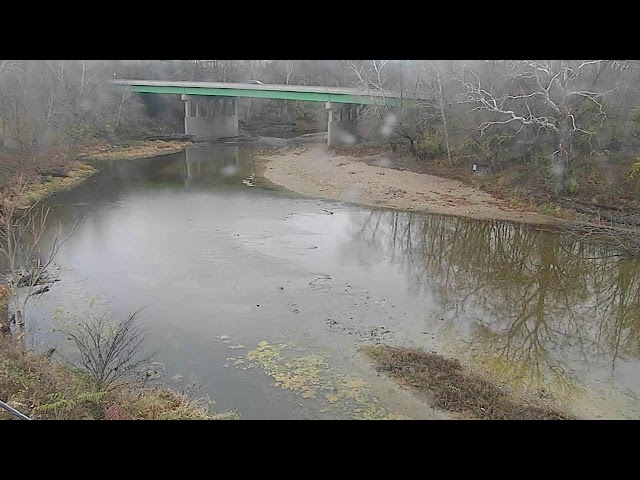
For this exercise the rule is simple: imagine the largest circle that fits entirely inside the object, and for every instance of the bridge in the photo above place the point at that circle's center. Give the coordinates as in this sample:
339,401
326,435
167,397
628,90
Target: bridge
211,109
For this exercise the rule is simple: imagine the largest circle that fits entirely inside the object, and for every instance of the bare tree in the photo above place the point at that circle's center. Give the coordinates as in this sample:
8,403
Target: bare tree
289,65
28,247
86,77
119,116
409,122
110,352
443,114
547,96
372,79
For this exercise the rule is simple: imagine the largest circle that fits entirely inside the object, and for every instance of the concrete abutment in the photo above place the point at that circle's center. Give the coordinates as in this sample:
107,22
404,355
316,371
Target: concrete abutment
210,118
342,123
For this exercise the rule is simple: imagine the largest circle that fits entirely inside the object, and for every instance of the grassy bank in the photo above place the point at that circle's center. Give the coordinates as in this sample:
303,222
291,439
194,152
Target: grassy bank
40,188
449,386
43,175
42,388
132,150
64,169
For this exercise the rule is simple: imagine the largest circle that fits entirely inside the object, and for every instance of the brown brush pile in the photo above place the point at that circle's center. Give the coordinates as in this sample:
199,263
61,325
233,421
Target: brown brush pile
455,390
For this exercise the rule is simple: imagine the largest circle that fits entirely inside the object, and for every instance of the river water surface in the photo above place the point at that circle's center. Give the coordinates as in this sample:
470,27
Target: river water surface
261,298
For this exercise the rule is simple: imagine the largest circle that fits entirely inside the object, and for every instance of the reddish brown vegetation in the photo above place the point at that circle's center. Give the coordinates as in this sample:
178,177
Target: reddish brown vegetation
456,390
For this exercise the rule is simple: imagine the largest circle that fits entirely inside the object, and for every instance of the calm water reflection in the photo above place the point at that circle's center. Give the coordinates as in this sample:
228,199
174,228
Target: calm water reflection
536,306
210,256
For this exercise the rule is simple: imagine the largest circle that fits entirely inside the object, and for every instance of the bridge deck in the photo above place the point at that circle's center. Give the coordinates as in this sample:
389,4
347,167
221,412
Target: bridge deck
250,90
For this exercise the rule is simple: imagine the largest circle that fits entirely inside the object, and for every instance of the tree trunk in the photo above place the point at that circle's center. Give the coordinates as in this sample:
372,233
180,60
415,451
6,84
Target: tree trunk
561,157
120,111
444,117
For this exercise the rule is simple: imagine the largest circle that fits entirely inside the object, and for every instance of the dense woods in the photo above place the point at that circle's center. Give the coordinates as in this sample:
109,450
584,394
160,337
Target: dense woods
556,127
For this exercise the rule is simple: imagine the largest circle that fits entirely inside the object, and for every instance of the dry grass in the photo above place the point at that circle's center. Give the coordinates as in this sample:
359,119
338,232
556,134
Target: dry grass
67,172
29,166
31,382
133,150
46,174
44,389
164,404
38,190
455,390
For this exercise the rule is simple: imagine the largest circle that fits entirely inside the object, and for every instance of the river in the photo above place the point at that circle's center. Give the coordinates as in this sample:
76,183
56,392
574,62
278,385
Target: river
260,298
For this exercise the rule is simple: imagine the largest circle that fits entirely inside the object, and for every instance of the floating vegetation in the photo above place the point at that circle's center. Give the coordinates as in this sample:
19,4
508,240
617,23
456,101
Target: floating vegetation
311,377
154,371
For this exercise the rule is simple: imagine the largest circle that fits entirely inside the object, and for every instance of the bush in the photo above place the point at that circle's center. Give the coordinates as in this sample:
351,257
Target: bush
432,145
110,353
41,388
635,170
573,185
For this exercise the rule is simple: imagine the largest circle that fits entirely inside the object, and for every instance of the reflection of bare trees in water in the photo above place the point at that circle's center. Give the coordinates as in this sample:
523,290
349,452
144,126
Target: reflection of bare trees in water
619,301
537,302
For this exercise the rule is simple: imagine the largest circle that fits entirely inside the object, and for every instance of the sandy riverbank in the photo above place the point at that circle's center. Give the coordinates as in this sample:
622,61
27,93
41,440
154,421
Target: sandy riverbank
317,172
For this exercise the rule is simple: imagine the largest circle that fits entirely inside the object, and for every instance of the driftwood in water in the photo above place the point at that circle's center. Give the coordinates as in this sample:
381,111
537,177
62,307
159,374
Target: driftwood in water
624,237
618,215
40,291
601,206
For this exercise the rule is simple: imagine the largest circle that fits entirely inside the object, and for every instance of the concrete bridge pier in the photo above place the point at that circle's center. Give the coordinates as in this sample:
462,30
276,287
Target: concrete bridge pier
342,123
210,118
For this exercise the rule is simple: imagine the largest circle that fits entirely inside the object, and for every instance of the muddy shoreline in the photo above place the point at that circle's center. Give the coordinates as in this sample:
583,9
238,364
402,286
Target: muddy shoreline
371,181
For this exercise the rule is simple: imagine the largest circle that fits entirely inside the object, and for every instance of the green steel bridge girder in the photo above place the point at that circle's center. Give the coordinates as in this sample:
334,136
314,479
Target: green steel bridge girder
271,94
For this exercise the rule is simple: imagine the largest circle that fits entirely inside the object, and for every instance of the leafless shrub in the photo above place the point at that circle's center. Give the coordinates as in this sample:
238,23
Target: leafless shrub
110,352
28,247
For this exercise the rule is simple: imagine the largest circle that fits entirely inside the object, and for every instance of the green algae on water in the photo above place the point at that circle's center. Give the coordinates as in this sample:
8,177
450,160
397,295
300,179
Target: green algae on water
311,377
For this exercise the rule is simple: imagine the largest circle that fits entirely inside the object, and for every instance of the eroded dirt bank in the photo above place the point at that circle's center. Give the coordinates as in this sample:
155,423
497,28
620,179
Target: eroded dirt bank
315,171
